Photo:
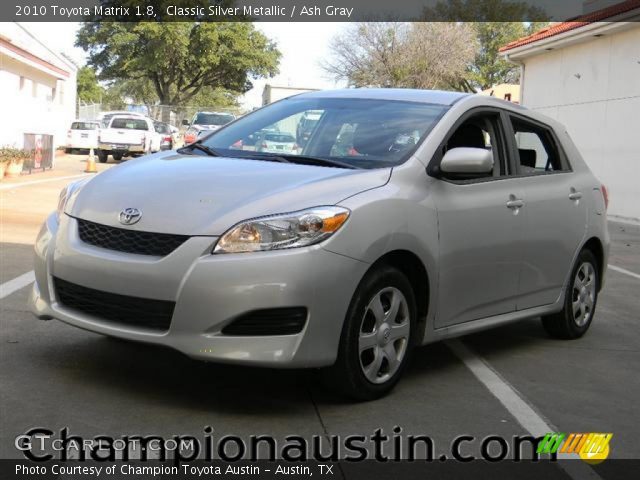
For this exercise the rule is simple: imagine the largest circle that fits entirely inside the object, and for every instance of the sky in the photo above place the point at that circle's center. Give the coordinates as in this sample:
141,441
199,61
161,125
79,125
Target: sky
303,46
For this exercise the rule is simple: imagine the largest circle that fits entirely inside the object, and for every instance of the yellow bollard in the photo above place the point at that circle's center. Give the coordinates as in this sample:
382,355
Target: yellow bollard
91,163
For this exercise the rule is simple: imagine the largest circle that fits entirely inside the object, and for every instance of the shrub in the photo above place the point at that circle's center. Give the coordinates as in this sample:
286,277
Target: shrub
12,154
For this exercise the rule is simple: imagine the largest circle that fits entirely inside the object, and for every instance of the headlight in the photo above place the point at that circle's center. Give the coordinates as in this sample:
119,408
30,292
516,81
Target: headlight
62,201
67,193
289,230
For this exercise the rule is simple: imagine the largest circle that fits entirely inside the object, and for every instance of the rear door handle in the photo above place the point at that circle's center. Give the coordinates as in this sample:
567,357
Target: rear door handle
575,195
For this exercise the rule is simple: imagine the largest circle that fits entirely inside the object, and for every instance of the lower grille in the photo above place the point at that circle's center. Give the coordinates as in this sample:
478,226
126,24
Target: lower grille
121,309
270,321
129,241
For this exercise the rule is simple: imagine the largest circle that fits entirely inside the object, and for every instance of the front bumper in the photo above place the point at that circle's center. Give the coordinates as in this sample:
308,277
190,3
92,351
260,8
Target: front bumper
210,291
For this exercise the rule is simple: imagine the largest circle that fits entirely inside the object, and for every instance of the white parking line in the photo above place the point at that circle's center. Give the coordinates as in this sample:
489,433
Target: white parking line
626,272
44,180
518,407
16,284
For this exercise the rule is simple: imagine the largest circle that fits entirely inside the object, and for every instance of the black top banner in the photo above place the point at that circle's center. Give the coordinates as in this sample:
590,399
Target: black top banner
314,10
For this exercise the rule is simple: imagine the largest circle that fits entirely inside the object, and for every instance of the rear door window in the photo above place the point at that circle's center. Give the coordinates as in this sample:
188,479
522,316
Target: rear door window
537,151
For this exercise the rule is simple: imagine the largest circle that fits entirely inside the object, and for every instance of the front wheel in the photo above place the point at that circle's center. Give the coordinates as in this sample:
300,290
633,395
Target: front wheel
580,300
377,337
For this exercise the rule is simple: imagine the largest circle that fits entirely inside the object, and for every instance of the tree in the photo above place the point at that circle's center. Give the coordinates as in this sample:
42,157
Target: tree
179,59
493,25
396,54
89,91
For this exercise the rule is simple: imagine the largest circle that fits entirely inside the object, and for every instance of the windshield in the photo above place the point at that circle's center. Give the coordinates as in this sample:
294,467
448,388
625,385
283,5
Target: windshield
363,133
129,123
217,119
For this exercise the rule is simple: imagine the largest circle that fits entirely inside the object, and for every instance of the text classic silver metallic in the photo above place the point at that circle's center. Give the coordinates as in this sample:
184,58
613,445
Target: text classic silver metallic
387,219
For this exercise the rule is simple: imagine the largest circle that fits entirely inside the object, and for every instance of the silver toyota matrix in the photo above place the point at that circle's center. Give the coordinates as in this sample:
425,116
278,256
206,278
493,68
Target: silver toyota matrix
402,218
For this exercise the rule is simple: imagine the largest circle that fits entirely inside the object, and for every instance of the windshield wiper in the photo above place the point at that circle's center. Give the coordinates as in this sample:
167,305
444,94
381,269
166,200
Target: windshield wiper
203,148
301,159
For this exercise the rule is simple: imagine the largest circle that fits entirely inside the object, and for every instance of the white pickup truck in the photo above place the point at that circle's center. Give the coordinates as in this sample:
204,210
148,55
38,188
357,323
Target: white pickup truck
125,135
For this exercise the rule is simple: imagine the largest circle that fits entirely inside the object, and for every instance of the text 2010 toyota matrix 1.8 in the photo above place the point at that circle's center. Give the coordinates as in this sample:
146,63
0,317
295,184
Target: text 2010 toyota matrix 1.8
404,217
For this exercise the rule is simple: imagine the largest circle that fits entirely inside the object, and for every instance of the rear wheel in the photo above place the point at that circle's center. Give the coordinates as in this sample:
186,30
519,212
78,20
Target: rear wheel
102,156
580,300
117,156
377,337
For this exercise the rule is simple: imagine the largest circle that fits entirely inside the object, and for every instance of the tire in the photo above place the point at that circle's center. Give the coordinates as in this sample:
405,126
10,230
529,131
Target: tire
102,156
368,373
580,300
68,150
117,156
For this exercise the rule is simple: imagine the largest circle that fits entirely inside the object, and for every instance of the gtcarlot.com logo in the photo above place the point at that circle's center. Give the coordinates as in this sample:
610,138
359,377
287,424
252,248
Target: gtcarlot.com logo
592,447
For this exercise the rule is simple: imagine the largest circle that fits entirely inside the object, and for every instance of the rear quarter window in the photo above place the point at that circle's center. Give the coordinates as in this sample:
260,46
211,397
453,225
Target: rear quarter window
129,124
84,126
275,137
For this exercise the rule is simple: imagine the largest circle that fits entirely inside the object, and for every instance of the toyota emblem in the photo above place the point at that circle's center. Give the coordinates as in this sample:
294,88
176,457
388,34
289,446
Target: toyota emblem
129,216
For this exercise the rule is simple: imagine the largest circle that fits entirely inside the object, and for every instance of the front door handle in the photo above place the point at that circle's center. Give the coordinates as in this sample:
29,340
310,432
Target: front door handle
515,204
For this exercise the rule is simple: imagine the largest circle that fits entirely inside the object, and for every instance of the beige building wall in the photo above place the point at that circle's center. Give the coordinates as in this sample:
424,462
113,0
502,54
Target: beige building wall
36,97
593,87
272,93
504,91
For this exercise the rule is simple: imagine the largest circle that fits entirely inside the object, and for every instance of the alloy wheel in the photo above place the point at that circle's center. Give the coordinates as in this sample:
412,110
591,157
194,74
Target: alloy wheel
583,294
384,335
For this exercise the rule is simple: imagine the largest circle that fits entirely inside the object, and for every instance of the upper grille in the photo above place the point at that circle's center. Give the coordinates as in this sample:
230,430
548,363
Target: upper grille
129,241
134,311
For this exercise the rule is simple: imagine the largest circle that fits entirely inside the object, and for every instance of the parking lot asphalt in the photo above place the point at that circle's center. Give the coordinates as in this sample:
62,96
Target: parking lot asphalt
54,376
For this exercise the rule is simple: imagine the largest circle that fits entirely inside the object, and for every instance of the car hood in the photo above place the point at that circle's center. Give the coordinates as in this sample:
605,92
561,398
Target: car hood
196,195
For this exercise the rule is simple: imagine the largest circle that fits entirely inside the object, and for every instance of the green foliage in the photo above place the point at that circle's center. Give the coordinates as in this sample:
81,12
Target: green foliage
142,92
218,97
89,91
178,59
489,68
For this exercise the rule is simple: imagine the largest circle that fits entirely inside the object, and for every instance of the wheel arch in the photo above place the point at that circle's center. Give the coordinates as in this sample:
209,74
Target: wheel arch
594,245
412,266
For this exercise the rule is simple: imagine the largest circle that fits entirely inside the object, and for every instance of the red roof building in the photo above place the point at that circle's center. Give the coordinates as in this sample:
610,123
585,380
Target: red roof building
585,72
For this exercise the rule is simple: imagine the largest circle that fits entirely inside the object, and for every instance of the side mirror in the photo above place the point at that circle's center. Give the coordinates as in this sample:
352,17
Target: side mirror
467,161
185,122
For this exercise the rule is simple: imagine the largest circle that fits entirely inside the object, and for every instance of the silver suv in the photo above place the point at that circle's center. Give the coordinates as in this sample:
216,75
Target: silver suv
407,217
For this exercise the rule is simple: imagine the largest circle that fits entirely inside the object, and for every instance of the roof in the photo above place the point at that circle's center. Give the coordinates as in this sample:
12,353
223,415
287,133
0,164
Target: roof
278,87
437,97
572,24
